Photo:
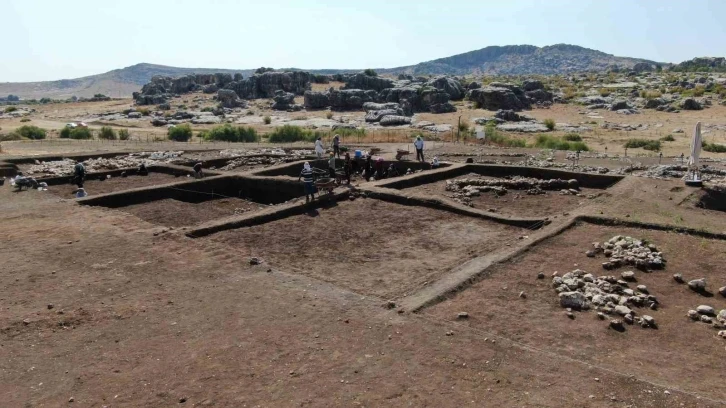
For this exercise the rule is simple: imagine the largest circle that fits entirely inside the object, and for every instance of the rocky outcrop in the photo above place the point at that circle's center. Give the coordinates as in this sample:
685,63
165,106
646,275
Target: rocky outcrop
499,96
511,116
316,100
265,85
643,67
229,99
691,104
395,121
348,99
373,106
366,82
532,85
442,108
161,88
449,85
376,116
285,101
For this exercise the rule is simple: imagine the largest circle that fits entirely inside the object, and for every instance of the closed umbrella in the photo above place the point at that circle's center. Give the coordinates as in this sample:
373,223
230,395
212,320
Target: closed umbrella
694,178
695,146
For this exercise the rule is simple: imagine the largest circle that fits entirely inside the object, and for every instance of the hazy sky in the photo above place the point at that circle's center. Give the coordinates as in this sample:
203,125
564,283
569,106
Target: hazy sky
52,39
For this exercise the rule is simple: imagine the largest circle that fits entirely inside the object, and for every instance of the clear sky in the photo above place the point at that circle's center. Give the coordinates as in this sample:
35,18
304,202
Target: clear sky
55,39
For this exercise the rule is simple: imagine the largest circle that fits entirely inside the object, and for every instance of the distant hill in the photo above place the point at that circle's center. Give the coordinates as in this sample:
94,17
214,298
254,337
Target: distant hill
522,60
117,83
495,60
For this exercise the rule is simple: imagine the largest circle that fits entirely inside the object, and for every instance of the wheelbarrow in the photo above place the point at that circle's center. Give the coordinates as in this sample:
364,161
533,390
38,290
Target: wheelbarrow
402,154
326,184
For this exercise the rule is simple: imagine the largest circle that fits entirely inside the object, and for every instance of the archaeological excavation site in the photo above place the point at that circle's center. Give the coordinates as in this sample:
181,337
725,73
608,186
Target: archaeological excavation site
516,274
513,226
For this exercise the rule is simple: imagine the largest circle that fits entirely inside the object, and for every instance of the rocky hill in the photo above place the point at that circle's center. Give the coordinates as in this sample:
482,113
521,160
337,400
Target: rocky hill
510,59
522,60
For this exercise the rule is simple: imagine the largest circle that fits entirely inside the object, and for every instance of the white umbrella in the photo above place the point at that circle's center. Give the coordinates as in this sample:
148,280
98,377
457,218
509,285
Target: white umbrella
695,146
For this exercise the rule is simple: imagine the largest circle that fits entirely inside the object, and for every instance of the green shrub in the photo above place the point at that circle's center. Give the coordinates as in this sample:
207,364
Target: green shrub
604,92
123,134
25,120
668,138
556,143
699,90
713,147
289,133
31,132
370,72
652,145
65,133
180,133
550,124
267,120
329,115
208,109
228,133
107,133
493,136
81,133
144,111
10,109
572,137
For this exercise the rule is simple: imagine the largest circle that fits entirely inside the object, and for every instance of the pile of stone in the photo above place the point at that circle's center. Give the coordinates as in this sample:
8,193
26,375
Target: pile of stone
465,188
255,161
608,295
65,167
623,250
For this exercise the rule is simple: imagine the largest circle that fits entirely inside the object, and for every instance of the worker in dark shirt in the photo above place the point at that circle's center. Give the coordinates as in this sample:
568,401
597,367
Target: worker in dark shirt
198,170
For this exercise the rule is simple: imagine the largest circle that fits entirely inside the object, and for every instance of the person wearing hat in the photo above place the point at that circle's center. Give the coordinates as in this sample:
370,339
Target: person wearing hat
419,145
308,178
80,193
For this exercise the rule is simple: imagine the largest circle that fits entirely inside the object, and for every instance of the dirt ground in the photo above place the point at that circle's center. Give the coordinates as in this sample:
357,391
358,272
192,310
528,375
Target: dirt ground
110,307
94,186
515,202
680,353
358,245
175,213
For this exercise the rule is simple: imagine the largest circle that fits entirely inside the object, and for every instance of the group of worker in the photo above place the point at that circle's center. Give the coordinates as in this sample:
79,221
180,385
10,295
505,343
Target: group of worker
376,170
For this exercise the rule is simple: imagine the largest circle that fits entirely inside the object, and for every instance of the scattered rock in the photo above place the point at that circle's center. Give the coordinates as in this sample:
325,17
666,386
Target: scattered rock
706,319
693,315
255,261
541,275
706,310
628,275
617,324
390,304
50,306
649,320
697,285
622,310
678,278
462,315
722,291
574,300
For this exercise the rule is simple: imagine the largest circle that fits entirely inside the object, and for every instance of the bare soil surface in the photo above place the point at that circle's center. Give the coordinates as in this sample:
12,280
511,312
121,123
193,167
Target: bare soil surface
94,186
370,246
681,353
175,213
516,202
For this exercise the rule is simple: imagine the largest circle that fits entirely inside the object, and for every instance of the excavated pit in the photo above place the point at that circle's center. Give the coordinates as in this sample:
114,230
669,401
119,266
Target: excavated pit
199,201
370,246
